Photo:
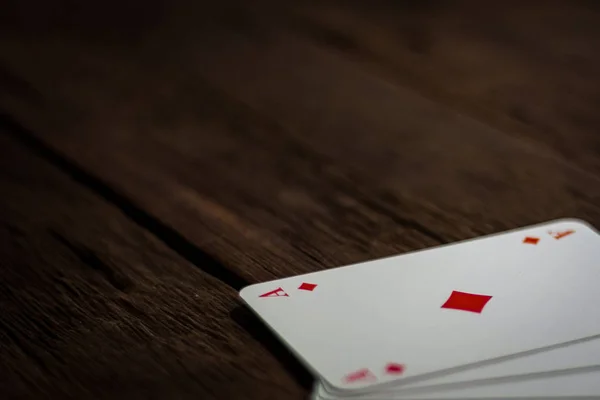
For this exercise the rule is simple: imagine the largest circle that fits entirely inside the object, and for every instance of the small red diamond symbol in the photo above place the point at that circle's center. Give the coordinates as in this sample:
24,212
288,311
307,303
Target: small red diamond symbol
307,286
531,240
466,301
394,368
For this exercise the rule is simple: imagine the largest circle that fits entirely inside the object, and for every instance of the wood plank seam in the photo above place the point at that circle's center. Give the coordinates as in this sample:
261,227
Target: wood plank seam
87,256
64,324
169,236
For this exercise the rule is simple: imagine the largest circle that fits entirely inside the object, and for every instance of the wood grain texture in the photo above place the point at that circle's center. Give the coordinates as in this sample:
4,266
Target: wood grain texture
93,306
527,67
242,142
231,181
300,160
404,144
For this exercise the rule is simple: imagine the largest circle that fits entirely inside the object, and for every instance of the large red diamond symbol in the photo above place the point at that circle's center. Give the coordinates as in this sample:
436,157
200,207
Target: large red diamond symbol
531,240
307,286
466,301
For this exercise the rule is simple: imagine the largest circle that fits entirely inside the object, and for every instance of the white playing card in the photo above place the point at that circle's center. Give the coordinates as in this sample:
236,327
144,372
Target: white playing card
583,383
583,354
409,316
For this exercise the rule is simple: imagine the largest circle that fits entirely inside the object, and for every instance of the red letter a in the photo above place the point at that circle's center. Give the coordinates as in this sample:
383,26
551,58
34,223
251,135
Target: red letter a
275,293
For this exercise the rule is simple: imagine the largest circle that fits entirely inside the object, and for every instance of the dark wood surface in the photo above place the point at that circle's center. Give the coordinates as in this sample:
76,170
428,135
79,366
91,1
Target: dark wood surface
96,306
156,158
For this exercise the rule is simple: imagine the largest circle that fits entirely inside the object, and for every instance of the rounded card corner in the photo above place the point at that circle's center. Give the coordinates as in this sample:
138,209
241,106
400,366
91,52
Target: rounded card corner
245,290
578,221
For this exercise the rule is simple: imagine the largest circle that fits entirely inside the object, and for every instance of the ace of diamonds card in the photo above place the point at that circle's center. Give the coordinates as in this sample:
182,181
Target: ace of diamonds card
405,317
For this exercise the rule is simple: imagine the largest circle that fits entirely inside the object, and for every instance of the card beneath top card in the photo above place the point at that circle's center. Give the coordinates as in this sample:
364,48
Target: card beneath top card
407,316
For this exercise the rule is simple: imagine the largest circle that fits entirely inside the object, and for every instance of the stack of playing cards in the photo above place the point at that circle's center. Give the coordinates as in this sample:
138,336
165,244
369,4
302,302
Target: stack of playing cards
513,315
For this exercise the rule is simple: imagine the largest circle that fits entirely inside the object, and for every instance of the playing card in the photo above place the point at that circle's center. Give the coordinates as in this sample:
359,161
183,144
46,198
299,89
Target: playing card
406,317
583,383
576,366
571,357
562,357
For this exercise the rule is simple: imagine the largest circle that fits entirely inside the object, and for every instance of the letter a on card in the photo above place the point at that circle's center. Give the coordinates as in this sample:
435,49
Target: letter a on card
279,292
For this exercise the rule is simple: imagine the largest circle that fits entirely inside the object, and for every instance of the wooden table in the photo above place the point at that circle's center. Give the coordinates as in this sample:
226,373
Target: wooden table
158,156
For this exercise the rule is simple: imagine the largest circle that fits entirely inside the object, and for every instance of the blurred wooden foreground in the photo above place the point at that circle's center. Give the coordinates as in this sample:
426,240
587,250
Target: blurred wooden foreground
158,156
